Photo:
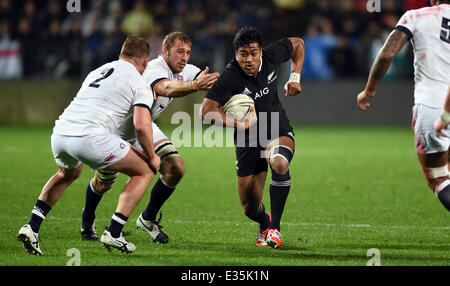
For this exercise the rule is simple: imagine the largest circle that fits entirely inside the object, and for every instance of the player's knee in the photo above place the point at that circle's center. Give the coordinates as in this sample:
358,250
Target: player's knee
101,187
70,175
177,170
435,176
279,158
104,180
173,165
174,173
279,165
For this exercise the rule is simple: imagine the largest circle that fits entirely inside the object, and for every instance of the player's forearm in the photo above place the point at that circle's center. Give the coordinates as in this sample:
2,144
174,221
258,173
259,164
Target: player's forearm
142,122
219,118
391,48
176,88
298,55
377,72
212,114
144,135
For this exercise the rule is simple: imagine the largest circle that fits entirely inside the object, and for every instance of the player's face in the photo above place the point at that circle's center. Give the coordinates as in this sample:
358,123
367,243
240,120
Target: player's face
178,56
249,58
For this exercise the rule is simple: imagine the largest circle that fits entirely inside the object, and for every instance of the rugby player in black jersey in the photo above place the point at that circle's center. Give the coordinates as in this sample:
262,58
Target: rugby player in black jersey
254,72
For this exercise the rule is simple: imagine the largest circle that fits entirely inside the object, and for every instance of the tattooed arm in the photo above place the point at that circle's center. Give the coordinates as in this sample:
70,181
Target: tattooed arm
392,46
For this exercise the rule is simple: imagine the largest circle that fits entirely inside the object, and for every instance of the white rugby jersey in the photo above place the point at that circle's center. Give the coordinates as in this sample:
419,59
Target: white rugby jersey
429,31
157,70
105,100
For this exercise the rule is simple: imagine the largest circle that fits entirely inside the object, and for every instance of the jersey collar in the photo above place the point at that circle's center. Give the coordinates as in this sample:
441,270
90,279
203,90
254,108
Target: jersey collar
175,75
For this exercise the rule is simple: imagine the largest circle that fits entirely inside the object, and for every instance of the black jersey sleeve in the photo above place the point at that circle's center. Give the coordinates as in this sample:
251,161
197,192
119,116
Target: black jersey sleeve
279,51
224,88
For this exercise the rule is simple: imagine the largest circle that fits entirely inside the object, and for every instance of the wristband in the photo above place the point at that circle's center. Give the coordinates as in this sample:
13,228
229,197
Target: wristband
294,77
194,84
445,116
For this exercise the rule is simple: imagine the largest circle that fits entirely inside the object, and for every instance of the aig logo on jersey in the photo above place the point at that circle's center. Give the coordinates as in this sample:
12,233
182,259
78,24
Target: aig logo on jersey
262,92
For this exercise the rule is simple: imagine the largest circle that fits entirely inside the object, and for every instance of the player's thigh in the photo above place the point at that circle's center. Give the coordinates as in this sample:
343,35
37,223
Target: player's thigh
61,148
431,149
71,174
426,139
448,156
132,164
433,160
282,141
109,152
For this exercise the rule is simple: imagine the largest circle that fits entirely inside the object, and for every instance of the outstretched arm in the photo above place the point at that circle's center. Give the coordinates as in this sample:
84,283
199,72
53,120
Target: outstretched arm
178,88
391,48
293,86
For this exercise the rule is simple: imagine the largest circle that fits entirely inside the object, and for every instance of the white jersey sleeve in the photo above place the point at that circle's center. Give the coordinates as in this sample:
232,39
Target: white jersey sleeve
190,72
429,31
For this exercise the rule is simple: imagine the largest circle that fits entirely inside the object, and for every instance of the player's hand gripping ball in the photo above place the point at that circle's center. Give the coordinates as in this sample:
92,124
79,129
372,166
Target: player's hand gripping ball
238,106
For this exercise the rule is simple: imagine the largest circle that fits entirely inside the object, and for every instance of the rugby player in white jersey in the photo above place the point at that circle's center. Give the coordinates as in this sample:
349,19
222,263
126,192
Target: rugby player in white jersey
86,133
169,76
428,29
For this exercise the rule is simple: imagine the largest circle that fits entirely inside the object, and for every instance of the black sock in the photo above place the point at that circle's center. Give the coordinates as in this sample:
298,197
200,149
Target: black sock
118,221
261,217
160,194
444,197
92,200
38,214
279,191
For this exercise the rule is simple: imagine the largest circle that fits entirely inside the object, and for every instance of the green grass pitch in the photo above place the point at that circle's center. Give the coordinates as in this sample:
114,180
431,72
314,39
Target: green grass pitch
354,189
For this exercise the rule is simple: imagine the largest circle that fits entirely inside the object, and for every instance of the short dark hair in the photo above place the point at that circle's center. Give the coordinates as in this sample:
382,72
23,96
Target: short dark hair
246,36
135,47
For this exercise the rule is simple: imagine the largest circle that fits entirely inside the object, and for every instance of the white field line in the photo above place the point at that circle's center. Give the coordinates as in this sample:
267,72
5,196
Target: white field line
212,222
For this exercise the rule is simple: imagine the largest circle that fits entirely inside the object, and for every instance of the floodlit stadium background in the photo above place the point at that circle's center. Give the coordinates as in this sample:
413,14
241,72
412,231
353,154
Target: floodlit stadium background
45,51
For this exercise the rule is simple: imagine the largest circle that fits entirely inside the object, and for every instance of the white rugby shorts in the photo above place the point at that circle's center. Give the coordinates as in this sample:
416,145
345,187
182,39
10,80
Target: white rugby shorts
158,135
426,140
95,150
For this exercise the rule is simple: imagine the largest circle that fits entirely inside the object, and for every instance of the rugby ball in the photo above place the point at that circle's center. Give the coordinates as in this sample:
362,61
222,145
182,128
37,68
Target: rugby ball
238,106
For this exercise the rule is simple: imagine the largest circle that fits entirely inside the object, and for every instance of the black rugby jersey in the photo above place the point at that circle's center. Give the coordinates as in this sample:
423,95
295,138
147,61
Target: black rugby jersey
263,90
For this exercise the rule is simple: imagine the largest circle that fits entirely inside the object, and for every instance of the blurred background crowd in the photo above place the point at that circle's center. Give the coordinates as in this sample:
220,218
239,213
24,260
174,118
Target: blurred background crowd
41,39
